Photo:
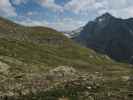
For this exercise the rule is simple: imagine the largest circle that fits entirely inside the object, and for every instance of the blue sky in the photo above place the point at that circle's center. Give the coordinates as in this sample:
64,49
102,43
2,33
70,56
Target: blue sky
63,15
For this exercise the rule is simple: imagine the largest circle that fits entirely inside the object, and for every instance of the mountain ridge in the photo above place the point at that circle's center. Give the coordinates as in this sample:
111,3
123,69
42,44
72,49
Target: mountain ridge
109,35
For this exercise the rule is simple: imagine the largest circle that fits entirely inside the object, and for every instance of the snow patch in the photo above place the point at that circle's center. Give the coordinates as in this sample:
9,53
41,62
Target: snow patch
101,19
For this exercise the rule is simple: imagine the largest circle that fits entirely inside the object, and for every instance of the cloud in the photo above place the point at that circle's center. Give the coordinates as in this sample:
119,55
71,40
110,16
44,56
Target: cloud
30,13
6,9
119,8
78,6
93,7
18,2
51,5
65,24
80,10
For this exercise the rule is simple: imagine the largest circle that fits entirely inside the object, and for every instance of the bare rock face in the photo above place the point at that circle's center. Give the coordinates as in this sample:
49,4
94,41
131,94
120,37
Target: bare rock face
109,35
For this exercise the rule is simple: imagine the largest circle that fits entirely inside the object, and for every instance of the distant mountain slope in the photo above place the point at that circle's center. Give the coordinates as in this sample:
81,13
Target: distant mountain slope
109,35
73,33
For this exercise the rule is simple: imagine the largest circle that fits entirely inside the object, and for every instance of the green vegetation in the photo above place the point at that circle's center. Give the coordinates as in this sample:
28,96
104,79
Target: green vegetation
39,45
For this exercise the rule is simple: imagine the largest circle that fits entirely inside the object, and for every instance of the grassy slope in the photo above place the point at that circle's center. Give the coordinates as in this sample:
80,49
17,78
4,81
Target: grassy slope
46,46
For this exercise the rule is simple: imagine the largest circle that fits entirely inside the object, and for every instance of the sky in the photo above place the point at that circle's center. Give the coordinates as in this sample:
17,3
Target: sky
62,15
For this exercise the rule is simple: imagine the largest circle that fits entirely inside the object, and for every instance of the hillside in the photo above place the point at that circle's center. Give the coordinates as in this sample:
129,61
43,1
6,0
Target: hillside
47,45
30,60
109,35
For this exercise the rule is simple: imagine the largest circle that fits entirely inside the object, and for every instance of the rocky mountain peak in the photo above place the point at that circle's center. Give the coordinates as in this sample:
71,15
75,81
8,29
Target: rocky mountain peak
109,35
104,17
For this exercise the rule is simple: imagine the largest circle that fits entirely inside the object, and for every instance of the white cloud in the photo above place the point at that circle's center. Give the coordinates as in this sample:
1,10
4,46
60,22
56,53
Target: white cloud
83,8
18,2
51,5
6,9
94,7
119,8
78,6
30,13
65,24
122,13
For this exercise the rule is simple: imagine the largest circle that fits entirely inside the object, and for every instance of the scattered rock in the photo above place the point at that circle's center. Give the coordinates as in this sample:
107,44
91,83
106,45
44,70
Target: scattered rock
62,72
